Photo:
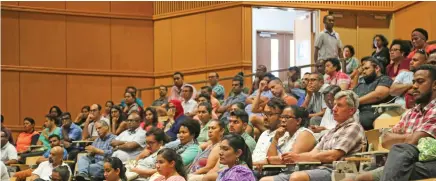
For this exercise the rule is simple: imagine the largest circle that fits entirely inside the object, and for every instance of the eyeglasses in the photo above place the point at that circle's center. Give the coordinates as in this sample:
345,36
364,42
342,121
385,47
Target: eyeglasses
269,114
93,110
312,80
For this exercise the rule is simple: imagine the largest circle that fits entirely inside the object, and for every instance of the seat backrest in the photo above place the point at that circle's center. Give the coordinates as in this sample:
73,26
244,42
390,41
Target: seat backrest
386,122
31,160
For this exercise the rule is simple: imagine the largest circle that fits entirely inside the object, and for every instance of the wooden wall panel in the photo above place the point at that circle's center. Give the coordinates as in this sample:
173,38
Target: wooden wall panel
132,7
224,36
88,6
10,3
138,35
44,4
119,85
38,92
42,40
419,15
87,90
88,43
194,78
188,42
162,45
10,104
347,29
10,38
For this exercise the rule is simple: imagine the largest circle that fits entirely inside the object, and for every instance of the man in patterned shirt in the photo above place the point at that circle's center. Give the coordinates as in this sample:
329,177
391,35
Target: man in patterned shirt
347,138
417,123
217,88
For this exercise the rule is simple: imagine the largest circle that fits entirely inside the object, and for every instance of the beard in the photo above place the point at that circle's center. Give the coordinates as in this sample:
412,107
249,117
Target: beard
370,78
425,97
50,160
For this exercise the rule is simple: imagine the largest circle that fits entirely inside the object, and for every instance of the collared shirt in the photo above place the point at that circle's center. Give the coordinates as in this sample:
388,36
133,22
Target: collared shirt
417,119
137,136
105,145
74,132
328,44
8,152
405,77
317,102
233,99
45,169
264,142
251,143
348,136
203,136
189,106
160,101
337,79
364,88
91,128
219,91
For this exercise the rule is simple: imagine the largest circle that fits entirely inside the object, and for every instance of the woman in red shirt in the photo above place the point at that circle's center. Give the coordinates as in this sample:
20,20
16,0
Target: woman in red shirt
28,137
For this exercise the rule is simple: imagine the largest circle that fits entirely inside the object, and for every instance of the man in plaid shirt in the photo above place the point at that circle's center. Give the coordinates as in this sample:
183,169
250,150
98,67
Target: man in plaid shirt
418,122
347,138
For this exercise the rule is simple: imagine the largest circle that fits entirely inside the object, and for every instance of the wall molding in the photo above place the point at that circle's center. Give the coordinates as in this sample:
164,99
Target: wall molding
29,9
116,73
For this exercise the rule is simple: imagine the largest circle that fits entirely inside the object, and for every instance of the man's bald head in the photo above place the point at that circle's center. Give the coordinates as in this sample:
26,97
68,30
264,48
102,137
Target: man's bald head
56,155
57,150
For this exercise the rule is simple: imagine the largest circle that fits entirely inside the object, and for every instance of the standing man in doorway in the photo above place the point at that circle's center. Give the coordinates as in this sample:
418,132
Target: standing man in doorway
327,43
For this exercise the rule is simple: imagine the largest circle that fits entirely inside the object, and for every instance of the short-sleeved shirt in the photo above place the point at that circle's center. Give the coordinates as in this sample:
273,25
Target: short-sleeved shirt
8,152
45,169
364,88
404,65
317,102
203,136
189,106
45,141
219,91
328,44
348,136
160,101
137,136
264,142
74,132
105,145
337,79
416,120
405,77
91,128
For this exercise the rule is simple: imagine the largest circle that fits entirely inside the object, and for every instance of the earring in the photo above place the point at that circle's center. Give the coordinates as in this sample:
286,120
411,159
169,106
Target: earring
237,161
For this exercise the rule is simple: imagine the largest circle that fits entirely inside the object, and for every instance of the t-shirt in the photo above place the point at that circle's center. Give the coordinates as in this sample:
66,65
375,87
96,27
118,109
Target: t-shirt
328,44
137,136
363,89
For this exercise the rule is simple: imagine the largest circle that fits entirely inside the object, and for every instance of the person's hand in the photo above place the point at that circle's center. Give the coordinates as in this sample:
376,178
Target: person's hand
134,169
317,129
171,113
88,119
143,154
90,149
67,144
310,89
289,157
262,85
279,133
259,167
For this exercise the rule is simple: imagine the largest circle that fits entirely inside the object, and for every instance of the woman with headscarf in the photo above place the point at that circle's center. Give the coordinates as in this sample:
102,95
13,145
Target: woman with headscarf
175,118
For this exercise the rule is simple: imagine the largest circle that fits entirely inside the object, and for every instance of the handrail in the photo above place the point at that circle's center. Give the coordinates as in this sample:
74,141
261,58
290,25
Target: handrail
224,78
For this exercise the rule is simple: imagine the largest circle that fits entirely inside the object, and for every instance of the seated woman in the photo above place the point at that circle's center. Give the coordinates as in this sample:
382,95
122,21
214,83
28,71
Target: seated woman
204,113
146,167
118,120
28,137
205,98
169,164
175,118
151,120
114,169
131,104
235,154
210,156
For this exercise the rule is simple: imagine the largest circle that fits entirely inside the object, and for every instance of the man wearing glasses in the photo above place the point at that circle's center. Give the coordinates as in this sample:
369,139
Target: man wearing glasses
70,132
94,115
314,101
130,142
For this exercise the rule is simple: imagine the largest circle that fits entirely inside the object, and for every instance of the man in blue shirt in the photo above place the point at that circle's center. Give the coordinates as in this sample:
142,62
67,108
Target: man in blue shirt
70,132
55,140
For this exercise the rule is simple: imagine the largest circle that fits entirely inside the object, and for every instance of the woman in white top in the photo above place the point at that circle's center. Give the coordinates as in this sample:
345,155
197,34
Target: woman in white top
293,120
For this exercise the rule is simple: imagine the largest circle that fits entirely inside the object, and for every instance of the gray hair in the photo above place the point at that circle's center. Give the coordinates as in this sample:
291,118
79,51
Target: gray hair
351,97
63,171
103,123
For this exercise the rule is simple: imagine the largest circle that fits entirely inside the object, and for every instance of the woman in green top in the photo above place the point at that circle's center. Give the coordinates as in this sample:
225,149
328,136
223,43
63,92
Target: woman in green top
50,129
351,62
188,147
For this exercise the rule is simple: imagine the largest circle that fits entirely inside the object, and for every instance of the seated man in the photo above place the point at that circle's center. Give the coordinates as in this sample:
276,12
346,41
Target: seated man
347,138
92,164
8,151
60,173
237,124
44,170
130,142
417,123
218,89
55,141
163,99
314,101
94,115
238,96
213,101
372,89
70,132
403,81
272,112
189,104
432,58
